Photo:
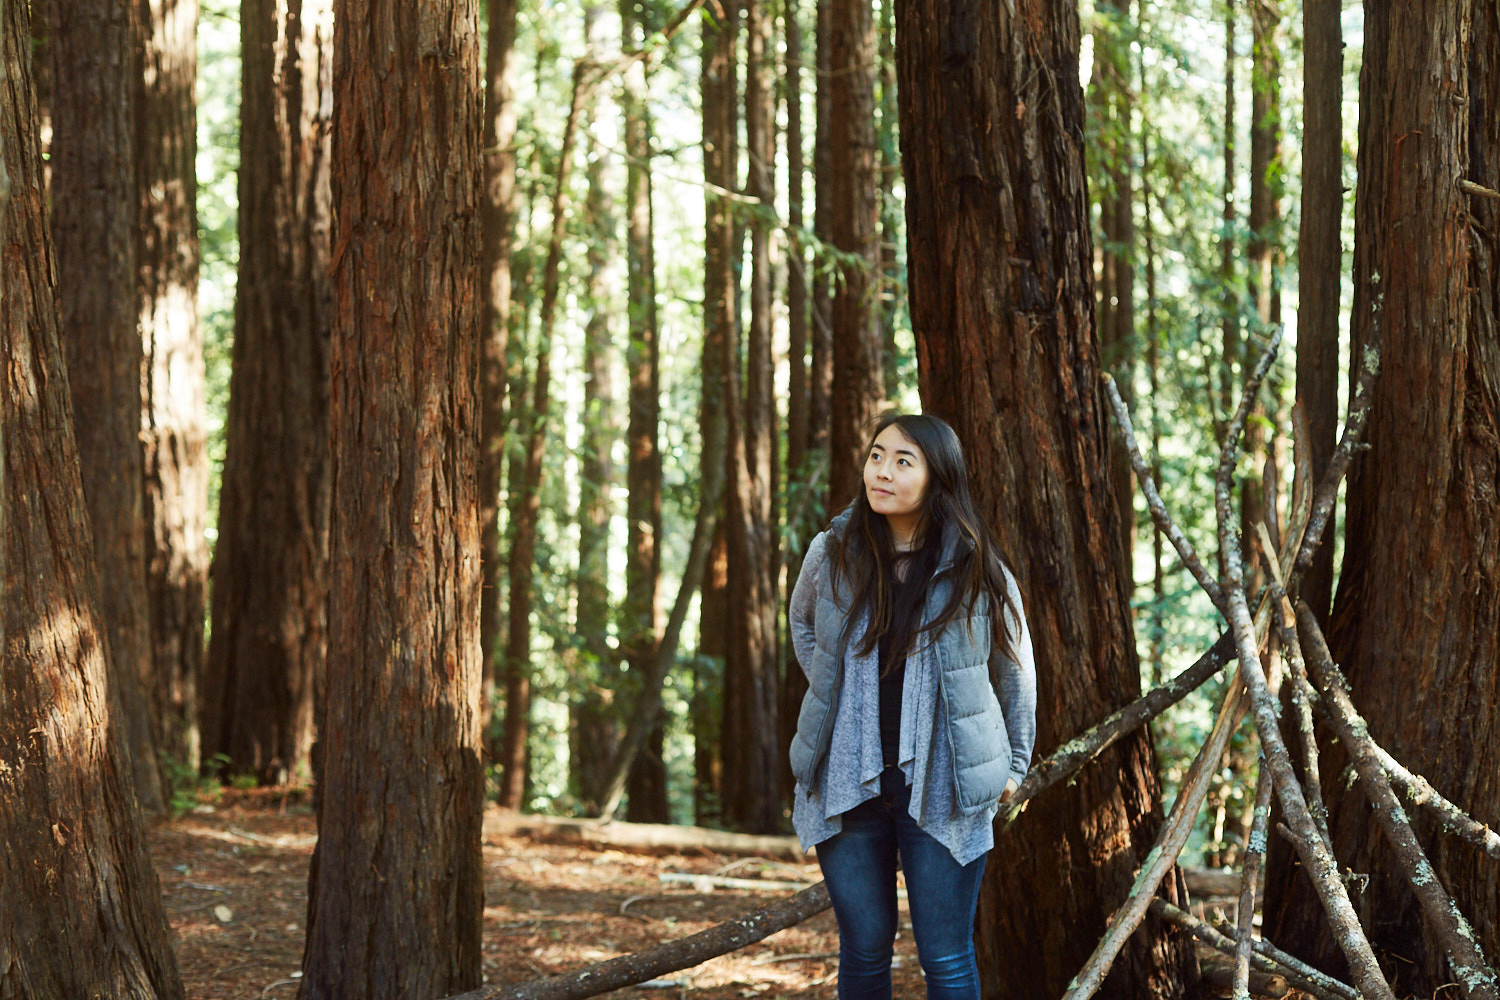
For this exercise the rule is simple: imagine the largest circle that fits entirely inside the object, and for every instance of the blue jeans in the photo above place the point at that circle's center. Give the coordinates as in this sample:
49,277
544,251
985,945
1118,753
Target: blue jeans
859,865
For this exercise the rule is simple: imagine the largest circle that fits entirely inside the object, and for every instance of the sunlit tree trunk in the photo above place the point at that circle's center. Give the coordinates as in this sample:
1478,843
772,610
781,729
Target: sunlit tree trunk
81,914
270,569
173,420
1418,599
1320,256
751,740
858,388
497,219
1003,310
396,887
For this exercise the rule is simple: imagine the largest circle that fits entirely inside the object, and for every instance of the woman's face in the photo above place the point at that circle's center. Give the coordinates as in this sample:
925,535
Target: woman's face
896,476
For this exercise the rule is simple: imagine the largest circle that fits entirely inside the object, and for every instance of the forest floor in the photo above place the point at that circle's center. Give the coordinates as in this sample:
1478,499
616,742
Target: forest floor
234,878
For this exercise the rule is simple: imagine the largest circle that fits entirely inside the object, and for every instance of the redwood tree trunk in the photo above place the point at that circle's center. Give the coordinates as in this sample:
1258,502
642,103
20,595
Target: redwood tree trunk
752,747
853,227
93,219
270,569
172,426
1320,257
1002,306
1415,617
81,914
396,891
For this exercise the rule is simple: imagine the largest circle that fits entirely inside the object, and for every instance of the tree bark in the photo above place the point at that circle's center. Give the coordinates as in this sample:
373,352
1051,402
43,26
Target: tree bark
752,751
173,416
497,219
1320,257
93,222
640,629
1002,306
270,571
396,888
853,229
1418,597
81,914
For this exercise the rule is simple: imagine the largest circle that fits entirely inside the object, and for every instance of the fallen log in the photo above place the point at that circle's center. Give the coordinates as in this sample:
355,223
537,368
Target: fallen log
669,956
643,837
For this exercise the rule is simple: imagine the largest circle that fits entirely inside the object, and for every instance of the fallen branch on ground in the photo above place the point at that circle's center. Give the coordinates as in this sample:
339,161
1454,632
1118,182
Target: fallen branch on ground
641,836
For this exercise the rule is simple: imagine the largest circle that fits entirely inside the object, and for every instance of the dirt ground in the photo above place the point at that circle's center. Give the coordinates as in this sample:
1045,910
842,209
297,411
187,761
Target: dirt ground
234,878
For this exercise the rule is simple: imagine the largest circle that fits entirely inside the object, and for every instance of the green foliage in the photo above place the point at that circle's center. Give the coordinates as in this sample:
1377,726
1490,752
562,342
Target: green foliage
192,787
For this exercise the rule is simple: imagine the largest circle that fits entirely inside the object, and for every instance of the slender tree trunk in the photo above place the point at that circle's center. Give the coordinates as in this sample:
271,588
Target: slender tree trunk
854,209
522,568
799,517
1003,308
751,740
396,890
173,418
820,364
595,730
93,220
890,282
81,914
497,214
1414,618
270,570
1320,257
641,616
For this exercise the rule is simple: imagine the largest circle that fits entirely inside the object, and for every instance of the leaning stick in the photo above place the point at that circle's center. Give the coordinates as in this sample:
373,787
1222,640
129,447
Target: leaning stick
1475,977
1449,815
1306,979
1319,862
1255,853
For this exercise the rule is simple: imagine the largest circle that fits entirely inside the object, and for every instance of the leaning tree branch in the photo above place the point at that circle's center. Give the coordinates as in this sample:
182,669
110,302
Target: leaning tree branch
1303,696
1164,522
1320,864
1255,853
1475,977
1305,978
669,956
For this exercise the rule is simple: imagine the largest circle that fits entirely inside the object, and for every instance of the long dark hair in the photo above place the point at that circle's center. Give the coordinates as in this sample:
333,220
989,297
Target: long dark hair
864,556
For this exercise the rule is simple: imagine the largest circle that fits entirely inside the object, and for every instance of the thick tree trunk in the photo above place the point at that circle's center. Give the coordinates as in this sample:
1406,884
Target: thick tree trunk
1002,305
1320,257
751,740
497,219
81,915
1414,619
640,627
858,388
93,220
396,888
173,418
270,568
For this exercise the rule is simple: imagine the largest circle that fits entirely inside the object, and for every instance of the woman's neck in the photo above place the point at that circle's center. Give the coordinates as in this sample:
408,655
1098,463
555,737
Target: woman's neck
906,531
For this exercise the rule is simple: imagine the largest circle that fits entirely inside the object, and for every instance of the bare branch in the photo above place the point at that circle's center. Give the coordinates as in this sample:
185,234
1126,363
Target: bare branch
1475,977
1305,978
1255,852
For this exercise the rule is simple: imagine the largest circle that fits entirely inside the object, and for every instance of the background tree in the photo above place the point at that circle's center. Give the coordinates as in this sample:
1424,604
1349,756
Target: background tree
401,783
1419,590
1002,306
750,737
858,387
270,569
82,913
172,420
1320,256
93,219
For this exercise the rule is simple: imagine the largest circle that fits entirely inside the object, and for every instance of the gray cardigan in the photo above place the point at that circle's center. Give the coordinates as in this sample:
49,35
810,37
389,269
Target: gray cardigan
968,719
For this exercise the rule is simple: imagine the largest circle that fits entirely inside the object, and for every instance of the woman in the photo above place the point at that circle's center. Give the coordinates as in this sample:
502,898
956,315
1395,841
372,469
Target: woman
921,709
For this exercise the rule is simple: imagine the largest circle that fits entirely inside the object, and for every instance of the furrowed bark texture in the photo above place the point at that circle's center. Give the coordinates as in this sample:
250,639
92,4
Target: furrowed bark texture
396,892
93,222
81,914
1002,305
270,570
1417,611
173,431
